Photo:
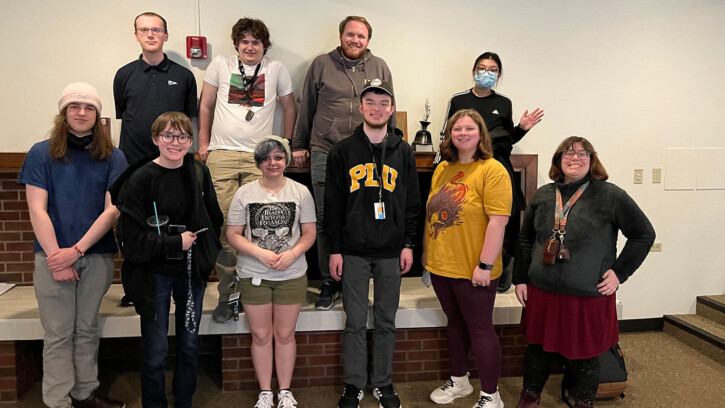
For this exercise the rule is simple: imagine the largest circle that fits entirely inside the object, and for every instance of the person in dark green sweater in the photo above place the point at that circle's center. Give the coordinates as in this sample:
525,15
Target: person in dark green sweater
567,279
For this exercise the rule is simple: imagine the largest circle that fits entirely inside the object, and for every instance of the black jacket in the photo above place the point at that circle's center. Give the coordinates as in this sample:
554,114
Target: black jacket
142,247
349,220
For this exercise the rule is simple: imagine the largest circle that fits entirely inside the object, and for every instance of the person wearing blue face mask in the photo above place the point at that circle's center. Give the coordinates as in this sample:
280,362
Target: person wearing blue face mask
496,110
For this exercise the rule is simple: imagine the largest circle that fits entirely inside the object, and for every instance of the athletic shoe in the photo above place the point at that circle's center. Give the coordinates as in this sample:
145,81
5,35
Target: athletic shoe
265,400
489,400
286,400
387,397
351,397
329,292
455,387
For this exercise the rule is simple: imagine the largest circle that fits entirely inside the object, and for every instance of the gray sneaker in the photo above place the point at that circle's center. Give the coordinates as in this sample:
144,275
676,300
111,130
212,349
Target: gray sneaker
223,313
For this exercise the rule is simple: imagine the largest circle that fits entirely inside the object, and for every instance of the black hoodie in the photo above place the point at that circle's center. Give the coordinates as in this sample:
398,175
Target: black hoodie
351,189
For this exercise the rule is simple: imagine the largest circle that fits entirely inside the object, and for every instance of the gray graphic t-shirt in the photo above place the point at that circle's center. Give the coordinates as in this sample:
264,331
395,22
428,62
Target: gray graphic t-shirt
272,221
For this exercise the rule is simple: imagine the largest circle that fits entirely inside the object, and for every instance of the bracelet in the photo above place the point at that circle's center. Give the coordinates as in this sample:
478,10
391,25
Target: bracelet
80,253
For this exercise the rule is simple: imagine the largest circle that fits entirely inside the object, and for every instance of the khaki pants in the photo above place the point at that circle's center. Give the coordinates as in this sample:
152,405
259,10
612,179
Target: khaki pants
229,170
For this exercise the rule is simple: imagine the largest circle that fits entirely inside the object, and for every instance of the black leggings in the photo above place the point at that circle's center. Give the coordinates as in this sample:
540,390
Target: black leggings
584,381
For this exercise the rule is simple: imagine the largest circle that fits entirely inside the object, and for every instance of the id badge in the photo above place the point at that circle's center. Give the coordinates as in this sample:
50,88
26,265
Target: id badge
379,210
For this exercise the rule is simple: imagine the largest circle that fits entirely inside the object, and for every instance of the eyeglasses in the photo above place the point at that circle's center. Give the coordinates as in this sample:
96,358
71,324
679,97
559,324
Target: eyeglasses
582,154
493,71
155,31
169,137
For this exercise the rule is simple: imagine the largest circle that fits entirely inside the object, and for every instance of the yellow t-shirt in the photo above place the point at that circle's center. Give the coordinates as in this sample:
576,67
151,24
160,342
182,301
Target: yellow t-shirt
462,196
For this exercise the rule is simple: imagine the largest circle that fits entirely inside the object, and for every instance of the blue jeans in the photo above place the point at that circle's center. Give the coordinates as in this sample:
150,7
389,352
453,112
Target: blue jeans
318,170
154,344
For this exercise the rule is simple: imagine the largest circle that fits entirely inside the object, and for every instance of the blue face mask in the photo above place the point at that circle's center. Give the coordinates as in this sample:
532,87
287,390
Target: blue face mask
485,79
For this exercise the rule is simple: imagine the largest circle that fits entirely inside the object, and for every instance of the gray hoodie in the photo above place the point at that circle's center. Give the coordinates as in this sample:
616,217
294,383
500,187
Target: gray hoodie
329,108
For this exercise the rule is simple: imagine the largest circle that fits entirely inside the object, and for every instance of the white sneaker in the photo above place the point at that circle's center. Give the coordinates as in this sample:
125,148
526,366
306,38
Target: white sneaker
455,387
286,400
265,400
489,400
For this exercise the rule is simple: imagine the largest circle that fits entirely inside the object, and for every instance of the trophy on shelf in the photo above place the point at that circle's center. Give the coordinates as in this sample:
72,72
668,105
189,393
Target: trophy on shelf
422,141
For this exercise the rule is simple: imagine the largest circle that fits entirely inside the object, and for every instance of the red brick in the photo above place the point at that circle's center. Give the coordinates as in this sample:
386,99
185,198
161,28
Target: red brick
423,376
408,345
27,256
325,381
434,344
10,257
8,384
424,334
235,353
301,339
15,206
334,371
238,375
27,236
328,337
325,360
333,348
310,349
20,267
9,195
230,386
12,277
309,372
230,341
422,355
436,365
11,236
298,382
9,215
7,360
18,246
404,366
230,364
11,185
7,347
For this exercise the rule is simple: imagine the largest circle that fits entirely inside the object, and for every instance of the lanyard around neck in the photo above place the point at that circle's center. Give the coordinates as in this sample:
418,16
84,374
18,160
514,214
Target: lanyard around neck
244,76
561,212
375,165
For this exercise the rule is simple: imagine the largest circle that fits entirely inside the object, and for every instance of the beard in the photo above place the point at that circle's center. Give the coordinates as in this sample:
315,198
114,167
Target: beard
352,54
375,125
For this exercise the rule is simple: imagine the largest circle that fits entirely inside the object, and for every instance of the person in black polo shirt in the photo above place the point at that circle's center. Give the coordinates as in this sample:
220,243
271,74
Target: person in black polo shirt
148,87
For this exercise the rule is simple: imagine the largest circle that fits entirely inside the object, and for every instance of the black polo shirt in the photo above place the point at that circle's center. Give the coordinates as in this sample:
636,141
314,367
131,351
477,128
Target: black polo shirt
142,92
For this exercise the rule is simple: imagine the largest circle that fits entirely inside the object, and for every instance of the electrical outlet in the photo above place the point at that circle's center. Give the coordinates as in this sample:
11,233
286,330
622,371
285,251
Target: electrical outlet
656,176
638,176
656,247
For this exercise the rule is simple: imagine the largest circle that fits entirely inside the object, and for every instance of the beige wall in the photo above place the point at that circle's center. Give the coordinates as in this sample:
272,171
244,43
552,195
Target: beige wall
635,77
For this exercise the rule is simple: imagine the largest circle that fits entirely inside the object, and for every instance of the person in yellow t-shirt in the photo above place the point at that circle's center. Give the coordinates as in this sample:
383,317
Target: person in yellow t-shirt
468,208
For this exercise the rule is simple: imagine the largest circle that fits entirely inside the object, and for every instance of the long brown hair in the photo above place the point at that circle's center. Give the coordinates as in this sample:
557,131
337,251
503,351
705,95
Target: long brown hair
101,146
596,168
484,151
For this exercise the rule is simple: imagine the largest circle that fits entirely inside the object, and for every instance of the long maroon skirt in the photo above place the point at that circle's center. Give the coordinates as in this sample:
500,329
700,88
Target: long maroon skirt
577,327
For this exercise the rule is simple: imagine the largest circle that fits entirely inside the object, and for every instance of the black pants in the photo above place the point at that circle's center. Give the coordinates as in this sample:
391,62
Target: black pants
584,380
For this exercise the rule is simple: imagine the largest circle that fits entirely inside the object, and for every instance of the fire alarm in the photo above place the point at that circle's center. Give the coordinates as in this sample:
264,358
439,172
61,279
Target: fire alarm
195,47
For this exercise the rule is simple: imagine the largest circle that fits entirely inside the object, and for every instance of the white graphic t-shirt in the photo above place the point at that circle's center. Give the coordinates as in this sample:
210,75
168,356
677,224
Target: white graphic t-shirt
236,98
272,221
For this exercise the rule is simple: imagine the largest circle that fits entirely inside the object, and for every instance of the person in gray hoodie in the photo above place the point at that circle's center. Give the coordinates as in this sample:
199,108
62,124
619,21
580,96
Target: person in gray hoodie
329,113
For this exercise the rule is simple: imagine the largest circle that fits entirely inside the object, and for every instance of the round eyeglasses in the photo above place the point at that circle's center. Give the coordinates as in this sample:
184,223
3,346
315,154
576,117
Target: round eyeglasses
182,138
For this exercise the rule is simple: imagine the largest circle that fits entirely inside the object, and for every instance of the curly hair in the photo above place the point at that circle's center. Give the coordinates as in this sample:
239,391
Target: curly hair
252,26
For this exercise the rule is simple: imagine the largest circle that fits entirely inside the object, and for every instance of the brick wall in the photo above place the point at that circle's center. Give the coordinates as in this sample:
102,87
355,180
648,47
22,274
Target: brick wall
421,354
20,368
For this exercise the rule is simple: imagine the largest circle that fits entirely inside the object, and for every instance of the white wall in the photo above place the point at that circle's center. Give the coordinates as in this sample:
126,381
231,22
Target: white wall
634,77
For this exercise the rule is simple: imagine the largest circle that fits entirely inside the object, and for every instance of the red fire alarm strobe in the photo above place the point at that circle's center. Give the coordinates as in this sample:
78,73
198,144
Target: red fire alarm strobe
195,47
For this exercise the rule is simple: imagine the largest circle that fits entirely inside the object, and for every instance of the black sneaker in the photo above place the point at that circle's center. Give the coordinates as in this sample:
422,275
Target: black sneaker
328,294
350,397
386,396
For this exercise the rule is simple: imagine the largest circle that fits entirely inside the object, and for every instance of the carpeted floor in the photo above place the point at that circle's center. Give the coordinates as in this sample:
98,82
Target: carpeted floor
662,373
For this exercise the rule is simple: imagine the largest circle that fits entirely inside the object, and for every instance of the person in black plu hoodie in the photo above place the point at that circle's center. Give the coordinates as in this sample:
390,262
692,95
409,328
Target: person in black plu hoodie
371,204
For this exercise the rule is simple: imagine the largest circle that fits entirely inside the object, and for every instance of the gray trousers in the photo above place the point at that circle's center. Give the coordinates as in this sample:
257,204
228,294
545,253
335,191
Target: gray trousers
318,170
69,315
356,275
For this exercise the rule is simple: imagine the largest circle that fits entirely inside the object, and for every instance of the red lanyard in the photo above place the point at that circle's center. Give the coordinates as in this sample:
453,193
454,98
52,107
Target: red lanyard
561,212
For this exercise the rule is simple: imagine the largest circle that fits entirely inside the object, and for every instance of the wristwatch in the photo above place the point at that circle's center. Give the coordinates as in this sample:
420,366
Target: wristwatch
485,266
